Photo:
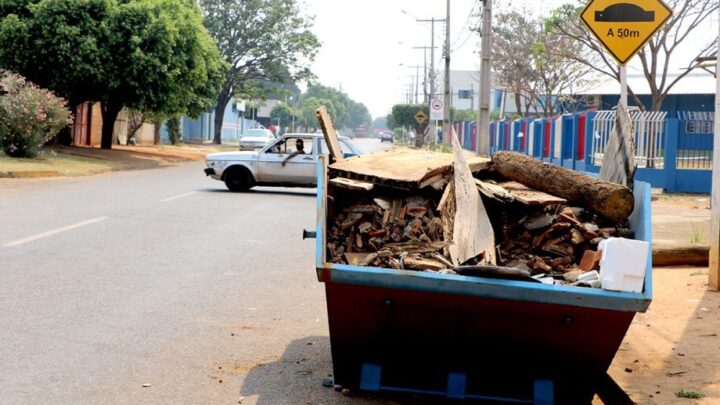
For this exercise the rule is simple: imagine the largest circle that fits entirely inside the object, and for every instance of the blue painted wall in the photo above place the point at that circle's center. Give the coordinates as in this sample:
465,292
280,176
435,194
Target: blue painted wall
672,104
201,129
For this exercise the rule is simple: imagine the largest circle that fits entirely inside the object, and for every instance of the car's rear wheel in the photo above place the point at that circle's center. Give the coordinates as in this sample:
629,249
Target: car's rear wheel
238,179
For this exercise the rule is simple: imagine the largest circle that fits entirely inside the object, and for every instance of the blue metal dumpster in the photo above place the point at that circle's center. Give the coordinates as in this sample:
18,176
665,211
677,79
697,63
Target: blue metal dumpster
472,337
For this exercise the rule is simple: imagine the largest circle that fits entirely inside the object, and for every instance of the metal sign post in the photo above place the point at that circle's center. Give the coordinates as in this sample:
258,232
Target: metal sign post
623,85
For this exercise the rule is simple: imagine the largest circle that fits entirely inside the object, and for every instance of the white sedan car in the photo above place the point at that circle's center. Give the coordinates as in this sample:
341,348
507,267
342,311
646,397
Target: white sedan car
289,161
255,138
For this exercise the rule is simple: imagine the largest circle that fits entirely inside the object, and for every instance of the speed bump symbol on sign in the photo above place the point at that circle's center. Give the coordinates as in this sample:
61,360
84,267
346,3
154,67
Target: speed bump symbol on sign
623,28
420,117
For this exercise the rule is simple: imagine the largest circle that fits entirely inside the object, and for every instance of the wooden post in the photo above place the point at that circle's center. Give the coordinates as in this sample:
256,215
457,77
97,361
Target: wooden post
331,138
714,273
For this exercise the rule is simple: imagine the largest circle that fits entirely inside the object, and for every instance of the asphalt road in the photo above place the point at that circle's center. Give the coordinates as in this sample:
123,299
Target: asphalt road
160,277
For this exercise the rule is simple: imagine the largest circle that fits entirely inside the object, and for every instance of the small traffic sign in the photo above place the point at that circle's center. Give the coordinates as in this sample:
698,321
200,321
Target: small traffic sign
420,117
436,109
623,27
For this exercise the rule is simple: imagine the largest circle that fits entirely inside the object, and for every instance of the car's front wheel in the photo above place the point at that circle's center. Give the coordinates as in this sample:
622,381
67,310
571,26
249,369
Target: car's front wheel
238,179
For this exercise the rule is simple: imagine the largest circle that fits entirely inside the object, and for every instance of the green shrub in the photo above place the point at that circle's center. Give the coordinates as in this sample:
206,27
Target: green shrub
29,115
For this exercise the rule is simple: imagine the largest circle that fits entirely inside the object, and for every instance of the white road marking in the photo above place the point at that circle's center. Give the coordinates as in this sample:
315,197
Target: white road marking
178,196
54,232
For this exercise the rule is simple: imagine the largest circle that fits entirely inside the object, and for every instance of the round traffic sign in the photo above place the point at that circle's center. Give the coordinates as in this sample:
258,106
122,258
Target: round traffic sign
436,104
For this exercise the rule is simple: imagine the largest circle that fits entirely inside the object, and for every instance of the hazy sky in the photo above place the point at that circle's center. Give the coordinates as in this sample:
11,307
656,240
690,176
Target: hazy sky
363,42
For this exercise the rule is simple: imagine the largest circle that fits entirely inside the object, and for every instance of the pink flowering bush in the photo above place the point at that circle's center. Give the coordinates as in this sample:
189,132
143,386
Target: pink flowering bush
29,115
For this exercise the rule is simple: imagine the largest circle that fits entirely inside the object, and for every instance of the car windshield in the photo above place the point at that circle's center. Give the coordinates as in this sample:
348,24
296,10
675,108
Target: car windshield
291,144
343,146
259,133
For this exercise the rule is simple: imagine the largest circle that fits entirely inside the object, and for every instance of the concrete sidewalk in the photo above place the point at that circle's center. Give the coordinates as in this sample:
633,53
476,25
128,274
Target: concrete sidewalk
681,229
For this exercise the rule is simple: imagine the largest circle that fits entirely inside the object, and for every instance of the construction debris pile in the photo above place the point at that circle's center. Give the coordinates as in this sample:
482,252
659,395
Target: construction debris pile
397,233
556,243
378,218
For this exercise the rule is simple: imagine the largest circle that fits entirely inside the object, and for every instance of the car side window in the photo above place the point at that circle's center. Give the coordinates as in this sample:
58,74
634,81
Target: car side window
279,147
289,145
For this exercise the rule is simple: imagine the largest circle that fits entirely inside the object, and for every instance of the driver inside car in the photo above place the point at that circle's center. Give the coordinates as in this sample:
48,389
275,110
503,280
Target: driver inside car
299,150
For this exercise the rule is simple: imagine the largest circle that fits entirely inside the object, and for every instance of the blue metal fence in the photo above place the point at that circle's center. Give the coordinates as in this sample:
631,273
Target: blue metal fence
672,153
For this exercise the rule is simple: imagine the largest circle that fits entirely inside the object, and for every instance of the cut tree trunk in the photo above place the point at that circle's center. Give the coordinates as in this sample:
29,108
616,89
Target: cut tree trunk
611,200
110,113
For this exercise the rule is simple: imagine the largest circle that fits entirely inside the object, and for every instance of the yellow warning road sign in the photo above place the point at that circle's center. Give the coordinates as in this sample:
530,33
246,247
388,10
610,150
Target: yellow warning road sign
624,26
420,117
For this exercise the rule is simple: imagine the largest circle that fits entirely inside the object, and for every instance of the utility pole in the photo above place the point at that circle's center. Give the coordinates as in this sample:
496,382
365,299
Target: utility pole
483,125
426,98
432,21
417,81
447,123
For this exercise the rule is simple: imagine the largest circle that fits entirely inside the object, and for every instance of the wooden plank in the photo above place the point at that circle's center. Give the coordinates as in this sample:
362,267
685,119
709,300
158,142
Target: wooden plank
472,231
431,180
331,138
494,191
408,167
528,196
350,184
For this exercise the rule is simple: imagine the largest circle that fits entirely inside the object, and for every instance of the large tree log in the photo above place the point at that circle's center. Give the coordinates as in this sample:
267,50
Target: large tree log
611,200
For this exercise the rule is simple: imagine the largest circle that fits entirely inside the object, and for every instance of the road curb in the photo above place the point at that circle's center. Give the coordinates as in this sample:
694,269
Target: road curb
29,174
690,255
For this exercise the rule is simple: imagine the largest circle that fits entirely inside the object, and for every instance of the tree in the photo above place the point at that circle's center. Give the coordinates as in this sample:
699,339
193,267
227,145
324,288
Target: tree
308,106
359,115
340,100
512,55
149,55
380,123
282,113
531,62
261,40
403,115
655,58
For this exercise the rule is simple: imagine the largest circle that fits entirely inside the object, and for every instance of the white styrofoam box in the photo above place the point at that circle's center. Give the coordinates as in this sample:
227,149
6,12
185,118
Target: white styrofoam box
623,264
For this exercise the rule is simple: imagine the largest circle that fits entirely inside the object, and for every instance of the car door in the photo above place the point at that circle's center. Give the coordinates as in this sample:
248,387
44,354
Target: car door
300,169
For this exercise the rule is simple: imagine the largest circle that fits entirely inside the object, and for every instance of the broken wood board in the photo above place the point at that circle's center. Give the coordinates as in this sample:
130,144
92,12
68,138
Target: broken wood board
355,185
403,168
472,231
494,191
528,196
331,138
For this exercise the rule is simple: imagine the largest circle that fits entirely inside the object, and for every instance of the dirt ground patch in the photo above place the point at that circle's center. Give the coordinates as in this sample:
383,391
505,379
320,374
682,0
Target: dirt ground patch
676,344
57,161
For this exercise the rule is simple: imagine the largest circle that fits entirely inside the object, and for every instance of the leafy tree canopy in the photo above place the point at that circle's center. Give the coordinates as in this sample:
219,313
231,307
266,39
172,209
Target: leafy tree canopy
282,113
262,41
150,55
347,113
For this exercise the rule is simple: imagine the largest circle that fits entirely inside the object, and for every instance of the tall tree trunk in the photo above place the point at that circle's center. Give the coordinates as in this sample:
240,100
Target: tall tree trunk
110,113
156,132
135,122
222,101
518,102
